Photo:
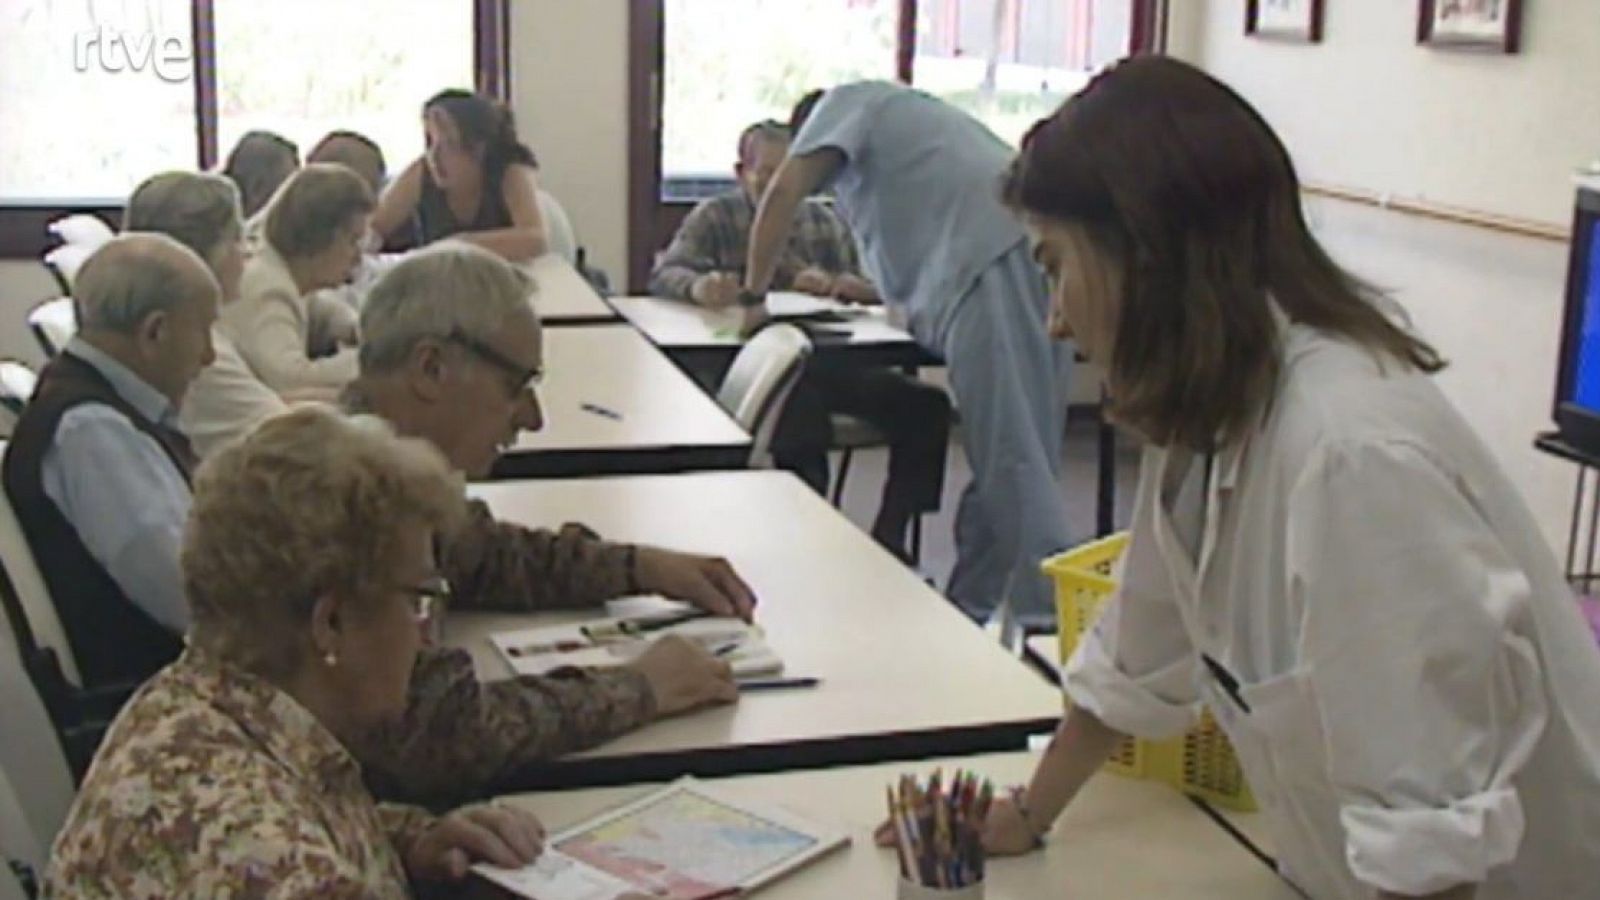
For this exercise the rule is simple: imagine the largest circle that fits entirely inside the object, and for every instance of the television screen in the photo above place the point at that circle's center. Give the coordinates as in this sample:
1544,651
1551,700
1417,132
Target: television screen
1577,408
1586,378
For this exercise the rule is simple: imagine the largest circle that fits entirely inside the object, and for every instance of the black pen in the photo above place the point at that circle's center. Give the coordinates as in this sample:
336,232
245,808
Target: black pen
777,684
599,410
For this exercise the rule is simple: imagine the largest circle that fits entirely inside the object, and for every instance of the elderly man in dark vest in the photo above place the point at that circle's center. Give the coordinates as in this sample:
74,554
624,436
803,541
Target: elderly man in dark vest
97,470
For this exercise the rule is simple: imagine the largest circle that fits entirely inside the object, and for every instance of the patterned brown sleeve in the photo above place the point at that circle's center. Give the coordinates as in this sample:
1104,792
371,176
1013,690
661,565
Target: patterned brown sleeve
503,566
404,824
460,735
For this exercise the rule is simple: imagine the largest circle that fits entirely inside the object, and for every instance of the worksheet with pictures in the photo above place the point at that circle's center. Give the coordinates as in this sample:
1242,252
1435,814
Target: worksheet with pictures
682,842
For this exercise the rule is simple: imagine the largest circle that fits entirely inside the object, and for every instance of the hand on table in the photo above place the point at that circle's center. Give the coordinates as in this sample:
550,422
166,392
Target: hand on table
504,836
715,290
708,582
683,676
813,281
856,290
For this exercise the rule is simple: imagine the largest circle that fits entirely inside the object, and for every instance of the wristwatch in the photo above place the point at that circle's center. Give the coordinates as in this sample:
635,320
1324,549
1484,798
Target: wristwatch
749,298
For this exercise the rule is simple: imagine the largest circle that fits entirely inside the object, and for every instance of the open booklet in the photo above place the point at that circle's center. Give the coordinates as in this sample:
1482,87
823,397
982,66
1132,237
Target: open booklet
627,631
683,842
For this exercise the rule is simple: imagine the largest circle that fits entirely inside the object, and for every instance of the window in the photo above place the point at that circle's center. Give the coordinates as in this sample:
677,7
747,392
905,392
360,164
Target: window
366,66
1010,63
99,94
734,62
84,117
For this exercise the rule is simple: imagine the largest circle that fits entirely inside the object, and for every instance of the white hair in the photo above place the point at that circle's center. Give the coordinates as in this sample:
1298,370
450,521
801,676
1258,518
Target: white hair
135,275
449,289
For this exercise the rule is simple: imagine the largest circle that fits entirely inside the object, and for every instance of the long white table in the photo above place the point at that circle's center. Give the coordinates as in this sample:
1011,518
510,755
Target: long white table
564,297
1119,839
904,674
655,418
698,336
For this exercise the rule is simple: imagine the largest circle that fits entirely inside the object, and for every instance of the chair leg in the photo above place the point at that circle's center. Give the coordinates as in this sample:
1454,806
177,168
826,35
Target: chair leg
844,473
916,540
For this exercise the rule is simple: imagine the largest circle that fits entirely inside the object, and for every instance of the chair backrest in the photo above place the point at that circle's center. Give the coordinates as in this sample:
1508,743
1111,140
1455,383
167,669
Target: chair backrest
37,786
81,229
65,261
53,323
559,234
760,380
32,594
17,382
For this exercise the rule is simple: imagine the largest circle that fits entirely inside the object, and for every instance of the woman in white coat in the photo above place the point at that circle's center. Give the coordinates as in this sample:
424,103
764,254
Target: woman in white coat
1323,552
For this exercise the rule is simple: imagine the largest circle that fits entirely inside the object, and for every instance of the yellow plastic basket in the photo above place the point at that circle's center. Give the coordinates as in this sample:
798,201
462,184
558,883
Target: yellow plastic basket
1201,762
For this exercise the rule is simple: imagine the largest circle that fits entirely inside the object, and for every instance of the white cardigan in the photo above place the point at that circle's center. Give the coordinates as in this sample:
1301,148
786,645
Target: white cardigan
272,324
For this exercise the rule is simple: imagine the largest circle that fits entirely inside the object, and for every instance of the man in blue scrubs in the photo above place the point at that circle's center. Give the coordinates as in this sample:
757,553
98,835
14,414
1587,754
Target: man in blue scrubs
917,181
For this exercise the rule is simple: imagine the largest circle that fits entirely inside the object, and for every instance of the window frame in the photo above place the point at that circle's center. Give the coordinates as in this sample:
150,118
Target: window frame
22,225
652,217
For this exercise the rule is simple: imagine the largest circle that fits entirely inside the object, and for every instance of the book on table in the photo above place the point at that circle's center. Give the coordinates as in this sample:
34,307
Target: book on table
685,841
628,630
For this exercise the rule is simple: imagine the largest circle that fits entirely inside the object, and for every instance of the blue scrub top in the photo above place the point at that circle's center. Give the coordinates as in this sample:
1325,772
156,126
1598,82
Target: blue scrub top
920,188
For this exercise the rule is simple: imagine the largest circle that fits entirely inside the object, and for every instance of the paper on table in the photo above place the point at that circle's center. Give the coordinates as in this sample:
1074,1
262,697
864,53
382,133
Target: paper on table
541,650
679,842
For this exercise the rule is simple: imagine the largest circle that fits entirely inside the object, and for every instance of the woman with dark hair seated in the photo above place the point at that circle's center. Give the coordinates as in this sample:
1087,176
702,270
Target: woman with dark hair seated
477,182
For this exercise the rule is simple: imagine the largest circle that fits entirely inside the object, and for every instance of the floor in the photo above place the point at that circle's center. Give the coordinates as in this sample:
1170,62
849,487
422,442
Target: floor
1490,302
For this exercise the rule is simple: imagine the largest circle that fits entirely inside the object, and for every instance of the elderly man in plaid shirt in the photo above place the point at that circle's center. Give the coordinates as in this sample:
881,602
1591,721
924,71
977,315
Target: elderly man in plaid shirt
704,264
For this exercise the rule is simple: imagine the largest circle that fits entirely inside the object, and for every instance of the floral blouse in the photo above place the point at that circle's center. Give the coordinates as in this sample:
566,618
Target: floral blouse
214,783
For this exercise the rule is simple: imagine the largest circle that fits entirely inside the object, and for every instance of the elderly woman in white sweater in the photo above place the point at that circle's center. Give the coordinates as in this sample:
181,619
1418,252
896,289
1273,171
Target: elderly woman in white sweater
313,236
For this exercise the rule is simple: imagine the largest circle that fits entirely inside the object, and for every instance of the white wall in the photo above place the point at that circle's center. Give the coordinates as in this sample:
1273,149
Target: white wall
569,75
23,283
1370,109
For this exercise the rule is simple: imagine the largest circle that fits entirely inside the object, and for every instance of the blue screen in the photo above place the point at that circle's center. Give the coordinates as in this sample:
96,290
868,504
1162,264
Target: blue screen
1586,383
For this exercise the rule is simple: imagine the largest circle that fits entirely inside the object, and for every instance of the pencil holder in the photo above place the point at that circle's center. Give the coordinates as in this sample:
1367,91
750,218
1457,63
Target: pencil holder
910,890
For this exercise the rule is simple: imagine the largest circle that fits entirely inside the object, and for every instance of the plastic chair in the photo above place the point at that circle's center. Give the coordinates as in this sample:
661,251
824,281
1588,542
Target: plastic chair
28,584
81,229
64,263
53,323
36,784
759,382
560,237
17,382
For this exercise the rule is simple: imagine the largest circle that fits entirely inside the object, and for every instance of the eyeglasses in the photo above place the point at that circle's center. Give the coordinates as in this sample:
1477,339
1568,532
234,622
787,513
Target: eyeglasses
427,598
521,378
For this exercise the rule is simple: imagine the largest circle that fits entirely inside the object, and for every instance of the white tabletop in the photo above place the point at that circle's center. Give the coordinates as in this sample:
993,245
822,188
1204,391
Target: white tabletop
659,411
564,297
893,655
674,326
1120,838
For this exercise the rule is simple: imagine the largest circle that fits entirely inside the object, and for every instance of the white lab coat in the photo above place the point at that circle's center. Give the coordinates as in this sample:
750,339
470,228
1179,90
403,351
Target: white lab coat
1423,696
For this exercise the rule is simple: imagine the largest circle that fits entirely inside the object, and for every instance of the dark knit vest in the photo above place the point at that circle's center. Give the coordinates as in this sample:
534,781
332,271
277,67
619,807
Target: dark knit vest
114,640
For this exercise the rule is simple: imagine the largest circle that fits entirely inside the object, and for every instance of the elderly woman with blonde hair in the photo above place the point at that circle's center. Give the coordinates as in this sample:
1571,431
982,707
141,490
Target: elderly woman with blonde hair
309,565
315,228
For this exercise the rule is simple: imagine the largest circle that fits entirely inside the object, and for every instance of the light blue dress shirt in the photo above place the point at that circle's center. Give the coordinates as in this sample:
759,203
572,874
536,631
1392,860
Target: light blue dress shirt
920,190
121,491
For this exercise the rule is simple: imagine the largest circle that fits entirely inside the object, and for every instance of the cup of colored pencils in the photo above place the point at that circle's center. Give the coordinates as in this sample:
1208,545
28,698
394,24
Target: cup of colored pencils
938,832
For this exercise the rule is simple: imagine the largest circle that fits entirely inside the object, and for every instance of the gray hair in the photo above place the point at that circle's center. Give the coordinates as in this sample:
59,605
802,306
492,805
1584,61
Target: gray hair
135,275
198,209
450,288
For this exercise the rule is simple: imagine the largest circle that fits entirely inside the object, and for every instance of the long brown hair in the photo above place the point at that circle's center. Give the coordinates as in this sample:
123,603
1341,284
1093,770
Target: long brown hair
1178,177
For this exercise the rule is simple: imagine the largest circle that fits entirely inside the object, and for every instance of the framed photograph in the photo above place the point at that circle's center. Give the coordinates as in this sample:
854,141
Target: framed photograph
1291,20
1493,25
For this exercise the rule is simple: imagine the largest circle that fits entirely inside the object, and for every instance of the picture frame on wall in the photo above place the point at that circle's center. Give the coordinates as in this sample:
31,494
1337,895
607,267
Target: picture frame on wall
1490,25
1289,20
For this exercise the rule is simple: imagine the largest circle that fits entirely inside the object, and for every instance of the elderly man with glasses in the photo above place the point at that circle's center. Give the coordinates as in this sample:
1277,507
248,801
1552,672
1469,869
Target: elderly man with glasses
452,353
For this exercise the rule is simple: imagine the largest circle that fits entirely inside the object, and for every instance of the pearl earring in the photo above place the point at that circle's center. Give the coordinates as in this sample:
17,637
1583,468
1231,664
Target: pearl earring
332,659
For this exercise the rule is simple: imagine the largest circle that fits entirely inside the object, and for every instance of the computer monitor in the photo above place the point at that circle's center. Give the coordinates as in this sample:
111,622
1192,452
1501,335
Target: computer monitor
1577,406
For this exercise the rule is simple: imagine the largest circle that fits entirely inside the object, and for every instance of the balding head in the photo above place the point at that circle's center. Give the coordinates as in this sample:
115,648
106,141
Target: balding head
149,301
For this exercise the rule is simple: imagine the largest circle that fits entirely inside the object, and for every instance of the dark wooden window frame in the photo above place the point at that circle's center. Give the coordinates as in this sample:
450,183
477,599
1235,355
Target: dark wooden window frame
651,220
22,226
